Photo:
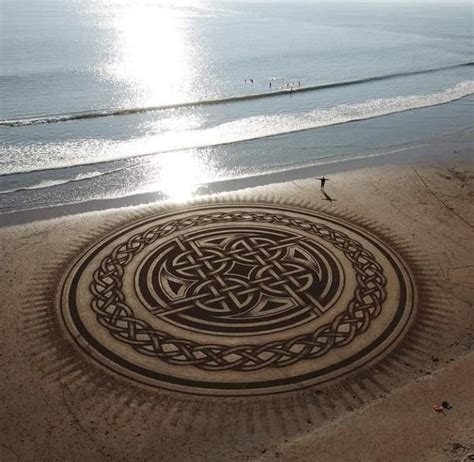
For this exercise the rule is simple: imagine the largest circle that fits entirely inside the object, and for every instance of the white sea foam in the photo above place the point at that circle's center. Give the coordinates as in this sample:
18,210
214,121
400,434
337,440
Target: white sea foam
53,156
50,183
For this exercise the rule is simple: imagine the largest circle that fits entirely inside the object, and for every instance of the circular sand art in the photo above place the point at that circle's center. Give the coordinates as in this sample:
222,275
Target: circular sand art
238,299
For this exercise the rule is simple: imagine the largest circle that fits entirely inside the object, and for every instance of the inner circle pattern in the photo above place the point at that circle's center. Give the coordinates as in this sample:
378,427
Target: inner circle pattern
233,281
114,313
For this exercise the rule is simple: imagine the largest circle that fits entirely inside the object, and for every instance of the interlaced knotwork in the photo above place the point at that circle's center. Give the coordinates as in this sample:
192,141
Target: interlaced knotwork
230,276
118,318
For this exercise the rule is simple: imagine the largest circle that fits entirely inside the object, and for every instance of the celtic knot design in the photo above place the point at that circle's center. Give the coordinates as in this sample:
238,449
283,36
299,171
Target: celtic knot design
235,281
118,318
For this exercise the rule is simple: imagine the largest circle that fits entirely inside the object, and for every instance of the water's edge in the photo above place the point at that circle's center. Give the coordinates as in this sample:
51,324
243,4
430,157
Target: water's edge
448,150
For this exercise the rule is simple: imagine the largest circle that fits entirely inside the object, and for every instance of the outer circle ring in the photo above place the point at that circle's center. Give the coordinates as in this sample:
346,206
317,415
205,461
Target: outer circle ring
119,364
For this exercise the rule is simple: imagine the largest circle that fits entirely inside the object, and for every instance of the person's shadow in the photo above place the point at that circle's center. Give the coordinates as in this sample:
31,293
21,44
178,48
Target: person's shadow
327,197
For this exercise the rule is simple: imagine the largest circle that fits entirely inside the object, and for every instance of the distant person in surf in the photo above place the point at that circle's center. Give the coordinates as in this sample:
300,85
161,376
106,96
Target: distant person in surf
270,85
323,182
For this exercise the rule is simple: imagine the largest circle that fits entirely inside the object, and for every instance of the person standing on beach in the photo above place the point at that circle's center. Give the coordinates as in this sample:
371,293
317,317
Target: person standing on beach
323,182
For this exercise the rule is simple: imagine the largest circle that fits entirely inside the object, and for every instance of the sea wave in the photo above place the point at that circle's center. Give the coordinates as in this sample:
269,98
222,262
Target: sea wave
92,114
59,181
52,157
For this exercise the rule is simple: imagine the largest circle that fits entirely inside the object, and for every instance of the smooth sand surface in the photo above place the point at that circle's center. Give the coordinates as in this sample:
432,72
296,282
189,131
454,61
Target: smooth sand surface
57,404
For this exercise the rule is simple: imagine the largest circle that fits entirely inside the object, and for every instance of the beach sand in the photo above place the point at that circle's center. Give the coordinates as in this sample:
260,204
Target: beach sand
59,404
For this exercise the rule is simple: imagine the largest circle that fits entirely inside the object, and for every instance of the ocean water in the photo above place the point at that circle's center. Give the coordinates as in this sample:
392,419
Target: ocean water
108,98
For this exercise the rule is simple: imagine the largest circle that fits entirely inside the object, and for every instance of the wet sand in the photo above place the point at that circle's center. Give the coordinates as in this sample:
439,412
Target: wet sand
58,405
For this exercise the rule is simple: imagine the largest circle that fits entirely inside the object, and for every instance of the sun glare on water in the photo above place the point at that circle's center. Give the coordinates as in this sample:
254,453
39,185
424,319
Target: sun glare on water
179,175
157,58
154,51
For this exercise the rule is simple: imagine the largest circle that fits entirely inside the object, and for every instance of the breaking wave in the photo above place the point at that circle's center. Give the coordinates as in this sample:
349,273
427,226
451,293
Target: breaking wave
92,114
51,156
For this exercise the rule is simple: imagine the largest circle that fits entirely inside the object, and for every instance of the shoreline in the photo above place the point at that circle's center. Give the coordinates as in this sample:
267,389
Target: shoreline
459,150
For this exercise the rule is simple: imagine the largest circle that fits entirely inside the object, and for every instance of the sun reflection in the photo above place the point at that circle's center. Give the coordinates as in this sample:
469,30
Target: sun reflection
155,52
180,174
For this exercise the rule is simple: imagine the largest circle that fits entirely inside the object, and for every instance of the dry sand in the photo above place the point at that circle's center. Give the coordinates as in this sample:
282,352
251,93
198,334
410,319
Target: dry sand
57,405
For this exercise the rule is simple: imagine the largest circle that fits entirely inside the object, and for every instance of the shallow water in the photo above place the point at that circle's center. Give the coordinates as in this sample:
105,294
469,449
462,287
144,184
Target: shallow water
359,66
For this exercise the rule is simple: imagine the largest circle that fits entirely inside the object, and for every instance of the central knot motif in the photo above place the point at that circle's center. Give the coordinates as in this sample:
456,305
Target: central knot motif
230,281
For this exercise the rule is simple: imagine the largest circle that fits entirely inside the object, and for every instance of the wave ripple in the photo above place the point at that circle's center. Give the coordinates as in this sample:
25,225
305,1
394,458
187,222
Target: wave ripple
92,114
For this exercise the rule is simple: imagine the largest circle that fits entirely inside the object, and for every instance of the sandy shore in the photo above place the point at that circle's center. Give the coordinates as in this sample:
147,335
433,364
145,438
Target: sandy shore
58,405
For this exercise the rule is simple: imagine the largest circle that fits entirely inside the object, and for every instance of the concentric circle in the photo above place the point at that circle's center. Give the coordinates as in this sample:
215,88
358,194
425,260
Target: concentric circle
235,281
238,299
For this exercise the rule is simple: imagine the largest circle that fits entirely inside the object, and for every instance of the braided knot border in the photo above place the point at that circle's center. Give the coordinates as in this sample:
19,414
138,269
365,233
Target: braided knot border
117,317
